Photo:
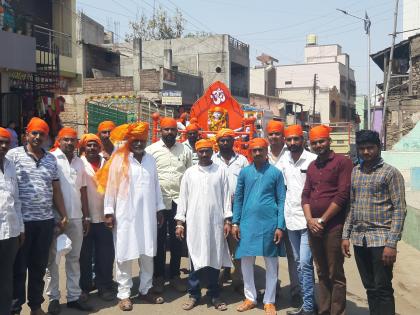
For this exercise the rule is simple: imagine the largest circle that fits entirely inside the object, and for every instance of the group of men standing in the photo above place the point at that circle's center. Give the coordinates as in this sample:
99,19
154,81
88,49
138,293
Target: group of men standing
135,202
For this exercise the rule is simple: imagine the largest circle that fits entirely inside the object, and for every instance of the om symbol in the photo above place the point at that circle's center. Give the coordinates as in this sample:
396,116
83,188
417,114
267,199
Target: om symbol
218,96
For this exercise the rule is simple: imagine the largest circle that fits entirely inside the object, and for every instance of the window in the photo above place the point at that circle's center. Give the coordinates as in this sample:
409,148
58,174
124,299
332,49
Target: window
287,82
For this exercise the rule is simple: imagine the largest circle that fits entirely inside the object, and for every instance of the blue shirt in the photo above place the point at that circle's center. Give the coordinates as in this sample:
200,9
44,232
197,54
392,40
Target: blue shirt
259,210
35,179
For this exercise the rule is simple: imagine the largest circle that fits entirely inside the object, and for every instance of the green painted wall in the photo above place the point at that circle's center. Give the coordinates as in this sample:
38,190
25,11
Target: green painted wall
411,233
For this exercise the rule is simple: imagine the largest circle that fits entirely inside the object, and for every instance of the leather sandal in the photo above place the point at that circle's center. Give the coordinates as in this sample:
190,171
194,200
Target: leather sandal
218,304
152,298
246,306
190,304
270,309
125,305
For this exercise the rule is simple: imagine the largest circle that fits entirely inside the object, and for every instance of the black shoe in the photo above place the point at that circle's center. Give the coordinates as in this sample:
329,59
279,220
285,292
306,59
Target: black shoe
300,311
54,307
80,305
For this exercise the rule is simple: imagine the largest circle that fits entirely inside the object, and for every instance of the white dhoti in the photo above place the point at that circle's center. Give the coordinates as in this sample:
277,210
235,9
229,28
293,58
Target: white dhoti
271,267
123,275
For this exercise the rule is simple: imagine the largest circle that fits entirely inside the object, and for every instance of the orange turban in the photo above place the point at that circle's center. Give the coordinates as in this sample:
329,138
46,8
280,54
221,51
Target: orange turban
64,132
319,132
168,122
225,132
275,126
106,125
88,137
138,131
4,133
37,124
192,127
258,143
203,143
293,130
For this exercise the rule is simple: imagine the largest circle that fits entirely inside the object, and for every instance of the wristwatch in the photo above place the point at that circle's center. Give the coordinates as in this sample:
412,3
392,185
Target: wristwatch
321,221
87,219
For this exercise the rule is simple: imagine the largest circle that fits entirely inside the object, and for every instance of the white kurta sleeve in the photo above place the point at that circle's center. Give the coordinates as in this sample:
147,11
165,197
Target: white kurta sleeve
159,199
111,192
183,199
227,199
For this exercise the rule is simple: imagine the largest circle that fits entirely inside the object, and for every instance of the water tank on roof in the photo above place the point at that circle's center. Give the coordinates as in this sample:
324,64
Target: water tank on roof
311,40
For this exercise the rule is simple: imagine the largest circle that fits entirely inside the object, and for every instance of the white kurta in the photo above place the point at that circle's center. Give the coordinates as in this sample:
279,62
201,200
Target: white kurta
134,203
204,203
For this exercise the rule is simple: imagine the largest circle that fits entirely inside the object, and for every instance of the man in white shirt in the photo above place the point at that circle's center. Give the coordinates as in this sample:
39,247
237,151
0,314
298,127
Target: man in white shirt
192,137
98,245
276,150
11,222
72,177
294,165
234,163
132,207
172,160
205,207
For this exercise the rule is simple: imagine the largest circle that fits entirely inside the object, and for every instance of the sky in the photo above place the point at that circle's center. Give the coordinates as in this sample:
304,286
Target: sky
275,27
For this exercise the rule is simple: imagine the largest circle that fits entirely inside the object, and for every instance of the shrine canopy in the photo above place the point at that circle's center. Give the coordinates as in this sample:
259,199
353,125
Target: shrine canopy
217,95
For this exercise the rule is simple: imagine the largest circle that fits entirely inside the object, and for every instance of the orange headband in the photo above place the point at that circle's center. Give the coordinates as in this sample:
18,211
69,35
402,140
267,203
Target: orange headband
106,125
275,126
138,131
168,122
258,143
225,132
88,137
37,124
319,132
4,133
203,143
192,127
293,130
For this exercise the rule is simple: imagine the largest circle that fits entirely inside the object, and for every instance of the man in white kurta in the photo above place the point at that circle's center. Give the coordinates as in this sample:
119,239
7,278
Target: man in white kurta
205,207
132,201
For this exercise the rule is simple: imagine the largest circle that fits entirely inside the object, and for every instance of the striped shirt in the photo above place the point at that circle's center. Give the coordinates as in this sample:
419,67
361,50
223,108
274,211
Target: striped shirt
377,208
35,179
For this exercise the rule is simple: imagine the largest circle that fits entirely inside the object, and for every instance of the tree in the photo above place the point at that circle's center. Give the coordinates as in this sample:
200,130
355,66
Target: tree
159,26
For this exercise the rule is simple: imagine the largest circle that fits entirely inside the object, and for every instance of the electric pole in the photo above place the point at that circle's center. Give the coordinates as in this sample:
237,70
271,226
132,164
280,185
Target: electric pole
314,92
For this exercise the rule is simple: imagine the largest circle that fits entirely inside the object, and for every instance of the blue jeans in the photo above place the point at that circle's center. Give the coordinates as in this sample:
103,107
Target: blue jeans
299,240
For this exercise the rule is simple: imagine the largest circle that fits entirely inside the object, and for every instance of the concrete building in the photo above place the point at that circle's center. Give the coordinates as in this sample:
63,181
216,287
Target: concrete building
361,110
326,71
411,18
214,58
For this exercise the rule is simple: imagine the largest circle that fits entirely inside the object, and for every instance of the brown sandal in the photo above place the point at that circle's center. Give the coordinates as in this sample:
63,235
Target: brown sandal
246,306
190,304
151,298
125,305
219,304
270,309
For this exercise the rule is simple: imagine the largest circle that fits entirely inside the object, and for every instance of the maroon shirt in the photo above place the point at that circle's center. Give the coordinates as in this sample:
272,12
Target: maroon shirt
326,182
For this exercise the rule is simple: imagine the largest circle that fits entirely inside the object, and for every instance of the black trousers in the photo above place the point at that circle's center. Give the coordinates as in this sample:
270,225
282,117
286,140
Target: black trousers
175,246
8,251
97,249
32,257
212,275
376,278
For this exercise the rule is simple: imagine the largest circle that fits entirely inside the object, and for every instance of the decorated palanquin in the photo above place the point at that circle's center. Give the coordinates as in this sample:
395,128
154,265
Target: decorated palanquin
217,109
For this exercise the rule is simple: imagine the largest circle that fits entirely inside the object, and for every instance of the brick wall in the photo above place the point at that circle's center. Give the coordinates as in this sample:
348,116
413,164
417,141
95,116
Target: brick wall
108,85
150,80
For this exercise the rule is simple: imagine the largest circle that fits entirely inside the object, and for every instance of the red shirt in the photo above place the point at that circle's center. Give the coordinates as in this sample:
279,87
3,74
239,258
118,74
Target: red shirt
326,182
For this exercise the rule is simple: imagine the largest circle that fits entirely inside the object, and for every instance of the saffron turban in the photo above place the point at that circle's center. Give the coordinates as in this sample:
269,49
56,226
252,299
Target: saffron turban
168,122
225,132
192,127
138,131
293,130
4,133
63,133
106,125
319,132
88,137
258,143
275,126
37,124
203,143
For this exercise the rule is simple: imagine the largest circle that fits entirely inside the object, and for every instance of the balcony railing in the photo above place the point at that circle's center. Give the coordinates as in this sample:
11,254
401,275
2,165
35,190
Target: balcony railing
47,38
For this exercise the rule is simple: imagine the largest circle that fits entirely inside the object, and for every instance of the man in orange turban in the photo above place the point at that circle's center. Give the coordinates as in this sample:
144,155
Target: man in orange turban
72,179
205,186
325,198
104,133
39,189
12,227
192,137
132,208
172,160
249,203
294,164
234,162
98,244
275,136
